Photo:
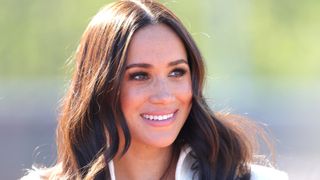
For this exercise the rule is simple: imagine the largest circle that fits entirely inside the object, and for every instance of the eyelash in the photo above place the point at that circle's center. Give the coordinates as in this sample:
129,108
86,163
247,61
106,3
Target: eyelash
136,76
180,71
141,76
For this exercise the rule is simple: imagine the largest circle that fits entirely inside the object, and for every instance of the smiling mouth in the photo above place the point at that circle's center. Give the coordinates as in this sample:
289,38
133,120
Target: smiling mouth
162,117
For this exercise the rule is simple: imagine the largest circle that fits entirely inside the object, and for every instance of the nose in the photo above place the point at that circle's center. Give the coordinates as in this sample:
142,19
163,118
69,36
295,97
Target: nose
162,92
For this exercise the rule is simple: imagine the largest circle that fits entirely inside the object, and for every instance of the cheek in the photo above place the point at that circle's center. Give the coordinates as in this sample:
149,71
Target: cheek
184,98
183,92
131,97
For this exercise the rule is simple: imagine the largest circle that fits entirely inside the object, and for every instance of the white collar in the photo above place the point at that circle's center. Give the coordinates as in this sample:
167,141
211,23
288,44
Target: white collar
185,172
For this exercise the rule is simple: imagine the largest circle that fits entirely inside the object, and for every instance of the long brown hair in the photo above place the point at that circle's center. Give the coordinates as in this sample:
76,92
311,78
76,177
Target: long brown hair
87,136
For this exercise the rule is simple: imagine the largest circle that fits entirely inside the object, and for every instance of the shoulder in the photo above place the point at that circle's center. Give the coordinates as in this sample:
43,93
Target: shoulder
36,173
259,172
184,169
184,165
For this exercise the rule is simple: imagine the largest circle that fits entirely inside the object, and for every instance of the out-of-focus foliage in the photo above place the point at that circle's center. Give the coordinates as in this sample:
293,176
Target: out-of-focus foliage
38,36
286,37
267,37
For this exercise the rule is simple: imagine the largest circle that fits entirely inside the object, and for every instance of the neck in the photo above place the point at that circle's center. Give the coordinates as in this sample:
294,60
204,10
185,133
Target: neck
143,162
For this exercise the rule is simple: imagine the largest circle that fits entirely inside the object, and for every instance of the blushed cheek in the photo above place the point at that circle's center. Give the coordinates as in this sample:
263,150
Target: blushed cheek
131,95
184,92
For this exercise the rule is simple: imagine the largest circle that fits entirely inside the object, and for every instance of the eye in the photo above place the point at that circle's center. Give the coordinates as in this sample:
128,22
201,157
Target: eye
177,72
139,76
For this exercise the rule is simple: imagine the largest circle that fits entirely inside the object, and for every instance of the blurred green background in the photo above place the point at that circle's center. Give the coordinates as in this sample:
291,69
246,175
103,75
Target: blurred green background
263,61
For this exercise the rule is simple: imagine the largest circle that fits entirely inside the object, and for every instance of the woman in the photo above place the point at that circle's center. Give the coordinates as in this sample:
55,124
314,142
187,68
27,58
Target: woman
135,109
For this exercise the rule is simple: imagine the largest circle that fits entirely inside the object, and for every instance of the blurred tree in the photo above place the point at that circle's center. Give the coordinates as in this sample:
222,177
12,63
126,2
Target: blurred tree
266,38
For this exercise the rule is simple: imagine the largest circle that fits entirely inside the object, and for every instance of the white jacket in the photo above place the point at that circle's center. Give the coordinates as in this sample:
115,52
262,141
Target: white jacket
185,161
184,172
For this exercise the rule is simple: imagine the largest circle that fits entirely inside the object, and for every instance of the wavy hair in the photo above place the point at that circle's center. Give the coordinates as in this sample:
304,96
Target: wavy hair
87,134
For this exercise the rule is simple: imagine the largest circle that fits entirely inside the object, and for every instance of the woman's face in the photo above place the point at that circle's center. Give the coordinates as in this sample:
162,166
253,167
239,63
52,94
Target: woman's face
156,91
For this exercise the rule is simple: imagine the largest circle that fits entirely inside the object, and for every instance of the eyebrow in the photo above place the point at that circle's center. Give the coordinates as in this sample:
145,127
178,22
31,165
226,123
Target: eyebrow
146,65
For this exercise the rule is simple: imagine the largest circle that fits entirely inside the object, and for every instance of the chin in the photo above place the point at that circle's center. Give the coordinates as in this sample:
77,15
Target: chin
164,144
160,143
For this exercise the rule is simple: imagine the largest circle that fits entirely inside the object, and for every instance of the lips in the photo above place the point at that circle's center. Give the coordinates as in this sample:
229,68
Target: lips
158,116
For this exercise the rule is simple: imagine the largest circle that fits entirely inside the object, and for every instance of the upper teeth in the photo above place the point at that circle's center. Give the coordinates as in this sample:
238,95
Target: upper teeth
158,117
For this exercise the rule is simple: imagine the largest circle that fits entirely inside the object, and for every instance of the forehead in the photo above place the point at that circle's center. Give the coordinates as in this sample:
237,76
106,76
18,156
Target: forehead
155,43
